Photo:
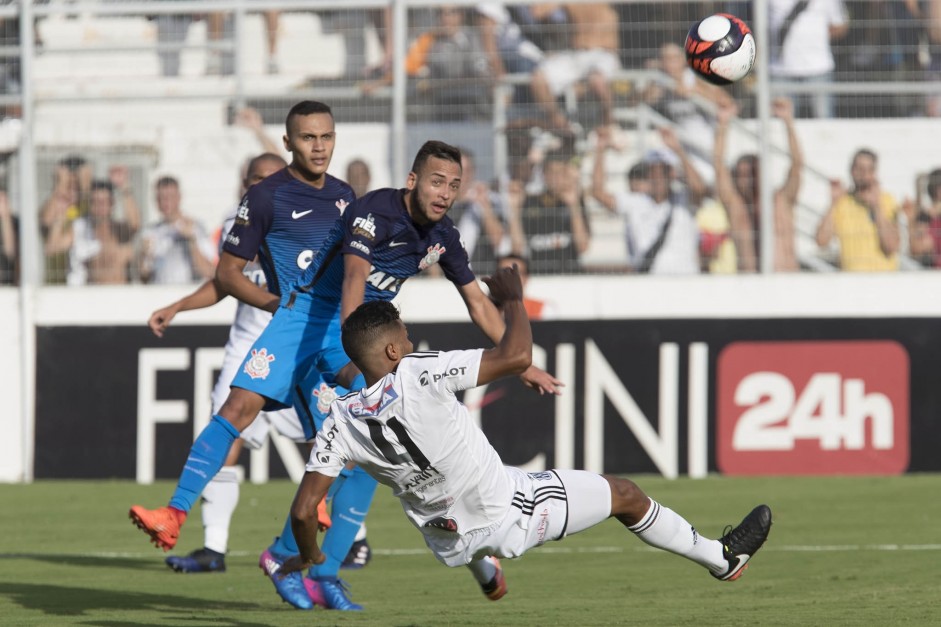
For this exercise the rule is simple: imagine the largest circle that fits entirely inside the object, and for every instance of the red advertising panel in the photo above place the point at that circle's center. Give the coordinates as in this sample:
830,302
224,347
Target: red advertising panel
813,408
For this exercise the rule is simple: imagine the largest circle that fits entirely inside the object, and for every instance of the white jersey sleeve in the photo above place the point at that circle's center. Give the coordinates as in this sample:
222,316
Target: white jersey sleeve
328,455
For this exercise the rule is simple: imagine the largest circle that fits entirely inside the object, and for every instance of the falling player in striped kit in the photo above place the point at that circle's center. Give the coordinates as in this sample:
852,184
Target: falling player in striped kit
407,429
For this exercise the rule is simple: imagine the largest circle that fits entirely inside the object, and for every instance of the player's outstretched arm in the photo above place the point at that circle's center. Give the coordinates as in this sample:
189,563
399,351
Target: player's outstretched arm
488,319
230,279
304,524
205,295
513,354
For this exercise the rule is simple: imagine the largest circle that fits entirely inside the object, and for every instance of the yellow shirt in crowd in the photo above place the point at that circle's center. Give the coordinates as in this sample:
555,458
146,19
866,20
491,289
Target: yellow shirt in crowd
859,240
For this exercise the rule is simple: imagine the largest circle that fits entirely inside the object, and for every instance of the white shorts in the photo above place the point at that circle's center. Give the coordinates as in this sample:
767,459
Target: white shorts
564,69
546,506
284,421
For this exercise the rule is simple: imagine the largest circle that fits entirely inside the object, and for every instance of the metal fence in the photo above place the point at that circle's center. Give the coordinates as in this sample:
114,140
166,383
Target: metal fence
114,95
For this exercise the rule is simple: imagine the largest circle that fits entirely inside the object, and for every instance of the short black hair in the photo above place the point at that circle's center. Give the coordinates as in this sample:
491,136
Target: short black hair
437,149
365,325
640,171
102,184
864,152
72,162
306,107
167,181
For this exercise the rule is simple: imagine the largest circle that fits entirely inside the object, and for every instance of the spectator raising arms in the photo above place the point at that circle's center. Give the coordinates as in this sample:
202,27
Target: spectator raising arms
662,234
738,191
71,191
100,246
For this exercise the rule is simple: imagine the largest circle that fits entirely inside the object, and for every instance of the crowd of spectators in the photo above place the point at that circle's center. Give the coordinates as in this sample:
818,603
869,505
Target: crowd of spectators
685,205
92,235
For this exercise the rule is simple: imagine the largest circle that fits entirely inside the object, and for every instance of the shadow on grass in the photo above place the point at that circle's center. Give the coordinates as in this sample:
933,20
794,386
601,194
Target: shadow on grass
67,601
106,561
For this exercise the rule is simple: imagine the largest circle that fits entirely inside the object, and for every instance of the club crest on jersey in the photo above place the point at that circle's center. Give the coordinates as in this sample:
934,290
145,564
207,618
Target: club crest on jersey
257,366
434,254
342,205
365,227
324,395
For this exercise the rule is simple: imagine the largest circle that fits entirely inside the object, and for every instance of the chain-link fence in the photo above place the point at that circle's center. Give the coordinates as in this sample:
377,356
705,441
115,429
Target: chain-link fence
590,146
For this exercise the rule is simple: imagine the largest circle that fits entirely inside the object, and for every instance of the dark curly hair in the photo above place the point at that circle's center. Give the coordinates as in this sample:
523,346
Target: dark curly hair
365,325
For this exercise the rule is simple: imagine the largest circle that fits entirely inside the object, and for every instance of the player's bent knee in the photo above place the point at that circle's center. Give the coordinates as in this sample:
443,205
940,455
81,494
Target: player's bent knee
241,408
627,498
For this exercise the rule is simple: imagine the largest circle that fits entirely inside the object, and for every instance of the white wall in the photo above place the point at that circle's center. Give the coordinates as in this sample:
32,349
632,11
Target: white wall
11,389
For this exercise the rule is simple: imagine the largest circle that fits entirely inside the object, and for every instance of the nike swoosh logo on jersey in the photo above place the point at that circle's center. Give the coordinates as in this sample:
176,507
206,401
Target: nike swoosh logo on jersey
300,214
394,243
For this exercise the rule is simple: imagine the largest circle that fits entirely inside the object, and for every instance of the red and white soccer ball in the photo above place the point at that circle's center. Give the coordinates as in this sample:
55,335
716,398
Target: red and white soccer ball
720,48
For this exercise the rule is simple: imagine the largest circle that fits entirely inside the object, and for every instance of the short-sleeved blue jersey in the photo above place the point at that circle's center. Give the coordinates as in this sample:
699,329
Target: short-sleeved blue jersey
378,228
285,223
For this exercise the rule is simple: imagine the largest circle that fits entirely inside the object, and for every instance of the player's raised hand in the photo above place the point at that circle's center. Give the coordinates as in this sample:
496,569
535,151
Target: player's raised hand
783,108
505,285
538,379
160,319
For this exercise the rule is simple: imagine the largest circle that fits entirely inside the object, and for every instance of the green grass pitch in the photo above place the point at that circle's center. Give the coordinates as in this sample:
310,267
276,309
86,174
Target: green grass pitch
843,551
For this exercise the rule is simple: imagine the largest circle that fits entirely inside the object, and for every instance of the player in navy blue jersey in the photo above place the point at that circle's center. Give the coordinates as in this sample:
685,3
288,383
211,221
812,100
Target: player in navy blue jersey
282,220
383,239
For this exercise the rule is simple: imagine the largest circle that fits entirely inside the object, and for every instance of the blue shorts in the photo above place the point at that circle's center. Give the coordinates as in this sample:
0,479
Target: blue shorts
313,397
294,347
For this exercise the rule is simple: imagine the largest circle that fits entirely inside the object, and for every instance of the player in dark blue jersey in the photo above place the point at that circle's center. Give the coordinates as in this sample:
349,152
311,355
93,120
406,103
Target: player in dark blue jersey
282,220
401,233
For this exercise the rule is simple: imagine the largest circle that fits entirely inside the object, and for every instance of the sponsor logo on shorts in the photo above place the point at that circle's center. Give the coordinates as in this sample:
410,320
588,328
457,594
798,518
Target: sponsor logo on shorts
257,366
324,395
434,254
543,526
365,227
541,476
361,247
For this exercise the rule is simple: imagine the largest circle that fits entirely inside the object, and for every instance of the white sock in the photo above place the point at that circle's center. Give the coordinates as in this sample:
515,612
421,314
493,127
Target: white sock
220,499
361,534
483,570
663,528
